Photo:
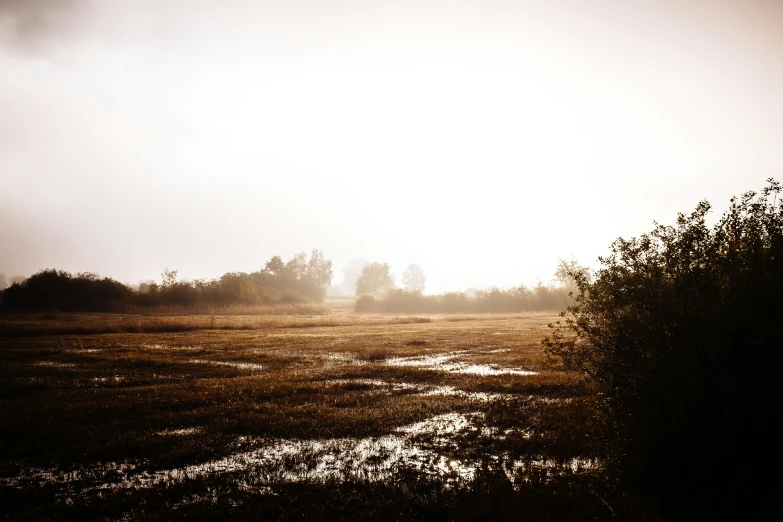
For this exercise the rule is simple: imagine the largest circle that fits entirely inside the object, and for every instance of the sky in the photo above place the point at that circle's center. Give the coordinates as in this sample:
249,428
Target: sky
482,140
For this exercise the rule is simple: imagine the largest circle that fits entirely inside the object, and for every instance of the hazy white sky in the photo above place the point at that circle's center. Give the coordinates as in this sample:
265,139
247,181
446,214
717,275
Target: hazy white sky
482,140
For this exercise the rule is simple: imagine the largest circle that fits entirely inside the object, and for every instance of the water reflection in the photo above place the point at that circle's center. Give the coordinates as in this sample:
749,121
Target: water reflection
430,447
54,364
428,390
449,362
240,365
180,432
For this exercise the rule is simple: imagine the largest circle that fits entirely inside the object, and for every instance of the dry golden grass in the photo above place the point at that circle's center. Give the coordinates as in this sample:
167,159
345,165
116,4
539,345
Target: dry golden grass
234,309
14,325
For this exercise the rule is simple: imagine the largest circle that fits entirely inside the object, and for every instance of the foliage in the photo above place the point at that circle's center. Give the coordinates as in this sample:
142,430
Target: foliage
413,278
168,277
565,269
275,266
680,329
301,280
493,300
365,303
375,279
59,290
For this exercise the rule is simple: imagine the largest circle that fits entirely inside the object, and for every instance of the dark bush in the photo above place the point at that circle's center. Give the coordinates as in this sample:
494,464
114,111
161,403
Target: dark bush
298,281
681,331
59,290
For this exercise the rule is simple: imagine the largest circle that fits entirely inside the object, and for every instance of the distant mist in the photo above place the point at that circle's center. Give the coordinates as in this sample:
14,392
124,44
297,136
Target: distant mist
479,140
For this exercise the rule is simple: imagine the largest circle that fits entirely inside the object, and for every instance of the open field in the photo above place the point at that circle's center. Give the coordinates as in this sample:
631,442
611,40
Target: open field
340,416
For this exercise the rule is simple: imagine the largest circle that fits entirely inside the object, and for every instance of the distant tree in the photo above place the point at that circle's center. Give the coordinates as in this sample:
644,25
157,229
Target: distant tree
565,270
413,278
375,279
274,266
319,271
146,286
680,331
237,287
17,279
296,268
3,282
351,273
168,277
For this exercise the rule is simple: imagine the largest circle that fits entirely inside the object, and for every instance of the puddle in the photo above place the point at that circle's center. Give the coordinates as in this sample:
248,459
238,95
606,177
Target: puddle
377,383
179,433
112,379
240,365
518,470
429,447
425,361
449,362
338,356
331,357
487,369
53,364
423,389
167,347
475,396
315,460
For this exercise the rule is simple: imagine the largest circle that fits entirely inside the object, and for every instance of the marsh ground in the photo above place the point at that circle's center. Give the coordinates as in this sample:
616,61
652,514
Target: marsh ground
338,416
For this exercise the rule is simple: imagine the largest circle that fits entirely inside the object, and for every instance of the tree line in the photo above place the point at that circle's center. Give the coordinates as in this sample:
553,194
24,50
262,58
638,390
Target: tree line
299,280
492,300
376,292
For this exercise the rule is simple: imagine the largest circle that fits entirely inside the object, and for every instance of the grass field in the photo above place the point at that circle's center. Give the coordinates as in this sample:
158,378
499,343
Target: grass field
338,416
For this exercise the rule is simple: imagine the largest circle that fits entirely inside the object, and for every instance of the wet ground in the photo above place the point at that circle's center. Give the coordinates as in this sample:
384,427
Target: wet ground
259,410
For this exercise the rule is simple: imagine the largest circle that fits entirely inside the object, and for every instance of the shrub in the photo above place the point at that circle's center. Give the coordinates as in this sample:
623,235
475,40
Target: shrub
680,329
365,303
59,290
494,300
300,281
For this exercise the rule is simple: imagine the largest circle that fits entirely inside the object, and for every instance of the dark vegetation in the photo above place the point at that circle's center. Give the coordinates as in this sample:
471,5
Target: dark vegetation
300,280
681,331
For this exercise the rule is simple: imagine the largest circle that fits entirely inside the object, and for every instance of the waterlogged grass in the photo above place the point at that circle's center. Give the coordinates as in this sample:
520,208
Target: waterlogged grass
341,416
